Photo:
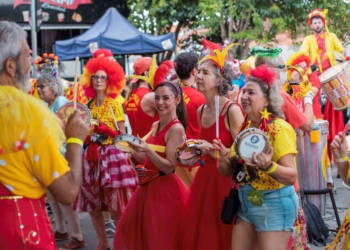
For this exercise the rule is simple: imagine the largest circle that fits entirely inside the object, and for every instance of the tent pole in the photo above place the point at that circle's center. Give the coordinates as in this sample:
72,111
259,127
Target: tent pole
128,67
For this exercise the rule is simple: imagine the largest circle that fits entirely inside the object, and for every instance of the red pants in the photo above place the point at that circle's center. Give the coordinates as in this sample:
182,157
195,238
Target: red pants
24,223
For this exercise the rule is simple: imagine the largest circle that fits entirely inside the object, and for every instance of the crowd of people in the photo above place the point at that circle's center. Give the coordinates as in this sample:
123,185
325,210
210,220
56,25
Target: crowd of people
145,196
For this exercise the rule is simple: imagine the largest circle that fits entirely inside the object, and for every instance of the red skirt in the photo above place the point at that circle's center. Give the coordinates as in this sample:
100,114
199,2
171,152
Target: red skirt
24,223
336,123
202,227
153,216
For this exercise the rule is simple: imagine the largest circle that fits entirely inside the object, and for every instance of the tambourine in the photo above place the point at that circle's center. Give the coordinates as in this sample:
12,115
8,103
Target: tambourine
64,112
249,141
187,153
121,142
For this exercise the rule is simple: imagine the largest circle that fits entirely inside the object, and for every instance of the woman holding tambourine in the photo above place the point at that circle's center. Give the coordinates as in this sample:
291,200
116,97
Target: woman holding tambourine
202,227
109,179
268,203
153,216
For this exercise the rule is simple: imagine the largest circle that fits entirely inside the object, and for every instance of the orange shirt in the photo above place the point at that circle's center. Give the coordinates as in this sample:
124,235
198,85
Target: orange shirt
140,122
193,100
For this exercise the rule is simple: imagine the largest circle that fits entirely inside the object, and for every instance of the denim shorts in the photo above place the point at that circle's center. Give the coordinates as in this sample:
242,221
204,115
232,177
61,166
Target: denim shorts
277,213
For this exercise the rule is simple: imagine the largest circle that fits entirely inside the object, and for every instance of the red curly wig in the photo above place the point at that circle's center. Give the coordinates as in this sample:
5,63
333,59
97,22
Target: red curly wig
165,72
264,75
115,74
301,58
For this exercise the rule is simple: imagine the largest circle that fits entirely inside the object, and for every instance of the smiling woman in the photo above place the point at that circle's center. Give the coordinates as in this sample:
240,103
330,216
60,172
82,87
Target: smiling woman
154,214
263,219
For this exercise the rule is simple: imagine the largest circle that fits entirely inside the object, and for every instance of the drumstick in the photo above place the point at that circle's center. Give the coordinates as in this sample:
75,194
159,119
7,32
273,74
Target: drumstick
217,103
114,119
75,82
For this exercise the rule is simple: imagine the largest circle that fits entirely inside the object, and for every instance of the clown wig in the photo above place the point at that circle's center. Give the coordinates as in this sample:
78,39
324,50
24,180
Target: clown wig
115,74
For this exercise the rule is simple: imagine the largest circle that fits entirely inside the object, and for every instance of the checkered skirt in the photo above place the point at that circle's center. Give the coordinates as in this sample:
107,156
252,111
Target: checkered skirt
111,180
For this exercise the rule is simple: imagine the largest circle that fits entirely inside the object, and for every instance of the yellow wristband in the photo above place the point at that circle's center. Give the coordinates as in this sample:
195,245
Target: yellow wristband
344,159
272,169
74,140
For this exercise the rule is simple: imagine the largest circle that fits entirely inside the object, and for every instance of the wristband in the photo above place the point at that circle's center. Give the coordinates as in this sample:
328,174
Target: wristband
307,100
74,140
272,169
344,159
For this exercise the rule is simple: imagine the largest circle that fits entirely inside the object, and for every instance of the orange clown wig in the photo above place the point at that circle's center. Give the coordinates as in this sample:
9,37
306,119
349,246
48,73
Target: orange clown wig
115,74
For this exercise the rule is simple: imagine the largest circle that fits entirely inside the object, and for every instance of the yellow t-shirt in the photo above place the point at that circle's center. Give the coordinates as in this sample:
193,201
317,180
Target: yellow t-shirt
283,140
30,139
104,114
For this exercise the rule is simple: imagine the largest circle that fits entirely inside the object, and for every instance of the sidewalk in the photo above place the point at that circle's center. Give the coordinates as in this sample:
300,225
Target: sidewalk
342,200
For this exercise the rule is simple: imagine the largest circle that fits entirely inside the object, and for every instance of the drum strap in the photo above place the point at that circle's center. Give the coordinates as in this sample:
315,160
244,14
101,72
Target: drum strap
157,148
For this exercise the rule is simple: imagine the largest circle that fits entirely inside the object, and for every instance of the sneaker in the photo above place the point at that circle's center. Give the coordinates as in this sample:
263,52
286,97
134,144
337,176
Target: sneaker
110,228
74,243
61,236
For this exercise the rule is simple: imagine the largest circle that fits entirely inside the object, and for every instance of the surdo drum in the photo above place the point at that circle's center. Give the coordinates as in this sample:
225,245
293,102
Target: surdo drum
336,84
312,163
249,141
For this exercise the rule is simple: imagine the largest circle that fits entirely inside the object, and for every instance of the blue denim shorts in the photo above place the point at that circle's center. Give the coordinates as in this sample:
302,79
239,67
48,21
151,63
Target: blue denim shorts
277,213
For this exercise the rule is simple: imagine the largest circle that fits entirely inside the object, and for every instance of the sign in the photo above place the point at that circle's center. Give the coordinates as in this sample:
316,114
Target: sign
60,11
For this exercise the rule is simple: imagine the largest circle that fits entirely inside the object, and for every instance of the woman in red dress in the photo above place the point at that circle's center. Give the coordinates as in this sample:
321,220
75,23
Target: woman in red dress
202,227
153,216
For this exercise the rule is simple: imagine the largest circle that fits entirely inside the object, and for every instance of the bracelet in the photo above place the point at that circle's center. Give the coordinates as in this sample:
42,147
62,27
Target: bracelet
74,140
271,169
344,159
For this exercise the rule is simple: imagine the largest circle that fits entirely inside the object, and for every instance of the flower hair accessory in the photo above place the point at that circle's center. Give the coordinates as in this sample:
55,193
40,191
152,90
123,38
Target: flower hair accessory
151,73
218,57
47,64
264,75
165,72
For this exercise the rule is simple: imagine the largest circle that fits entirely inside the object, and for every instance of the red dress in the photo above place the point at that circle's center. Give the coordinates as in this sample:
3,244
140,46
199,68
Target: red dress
153,216
202,226
140,122
25,224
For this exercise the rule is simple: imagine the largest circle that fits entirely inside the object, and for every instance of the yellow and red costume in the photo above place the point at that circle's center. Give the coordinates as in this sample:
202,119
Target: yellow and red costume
321,49
30,159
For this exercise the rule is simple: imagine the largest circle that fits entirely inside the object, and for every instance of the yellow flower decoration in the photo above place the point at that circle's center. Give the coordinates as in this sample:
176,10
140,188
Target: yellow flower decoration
219,57
151,72
265,114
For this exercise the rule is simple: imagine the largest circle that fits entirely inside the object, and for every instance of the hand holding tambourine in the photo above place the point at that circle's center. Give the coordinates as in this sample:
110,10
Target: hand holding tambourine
262,160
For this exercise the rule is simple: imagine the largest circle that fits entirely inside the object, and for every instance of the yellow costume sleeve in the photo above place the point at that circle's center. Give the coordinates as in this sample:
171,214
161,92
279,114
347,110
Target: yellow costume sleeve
283,139
336,43
119,112
30,136
305,46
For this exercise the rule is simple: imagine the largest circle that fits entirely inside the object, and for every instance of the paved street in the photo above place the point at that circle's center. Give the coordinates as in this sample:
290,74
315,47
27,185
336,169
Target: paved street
342,199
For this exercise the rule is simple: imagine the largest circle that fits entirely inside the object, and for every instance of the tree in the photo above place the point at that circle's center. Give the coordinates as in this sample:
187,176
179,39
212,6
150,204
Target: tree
261,20
157,17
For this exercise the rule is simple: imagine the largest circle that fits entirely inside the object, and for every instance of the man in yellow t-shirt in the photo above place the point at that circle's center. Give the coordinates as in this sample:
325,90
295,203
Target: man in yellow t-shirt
30,157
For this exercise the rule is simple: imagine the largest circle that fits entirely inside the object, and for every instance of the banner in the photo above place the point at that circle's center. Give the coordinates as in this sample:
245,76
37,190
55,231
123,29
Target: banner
61,11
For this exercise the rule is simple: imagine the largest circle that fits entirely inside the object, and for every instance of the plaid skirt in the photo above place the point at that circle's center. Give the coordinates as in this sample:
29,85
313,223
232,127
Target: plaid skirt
109,181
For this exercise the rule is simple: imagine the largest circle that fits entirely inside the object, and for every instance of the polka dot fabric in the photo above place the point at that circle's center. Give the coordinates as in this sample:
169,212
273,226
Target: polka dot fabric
30,137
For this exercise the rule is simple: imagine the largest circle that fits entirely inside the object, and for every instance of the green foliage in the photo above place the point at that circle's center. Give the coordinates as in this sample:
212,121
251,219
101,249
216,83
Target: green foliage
237,20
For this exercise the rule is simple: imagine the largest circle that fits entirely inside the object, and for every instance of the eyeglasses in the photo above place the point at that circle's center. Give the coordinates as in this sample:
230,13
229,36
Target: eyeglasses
280,66
101,78
41,86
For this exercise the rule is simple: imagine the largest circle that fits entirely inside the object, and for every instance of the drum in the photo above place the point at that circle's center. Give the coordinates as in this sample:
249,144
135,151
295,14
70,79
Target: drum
187,153
312,161
121,142
348,141
336,84
249,141
67,110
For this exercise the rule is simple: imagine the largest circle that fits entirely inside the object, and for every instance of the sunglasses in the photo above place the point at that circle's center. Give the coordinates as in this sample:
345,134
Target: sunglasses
101,78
